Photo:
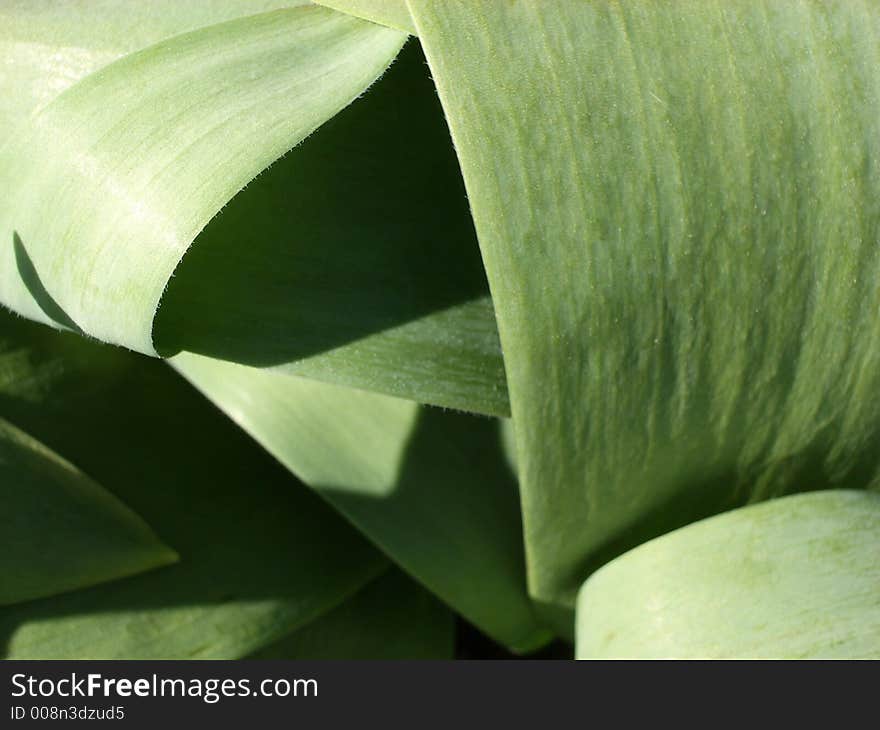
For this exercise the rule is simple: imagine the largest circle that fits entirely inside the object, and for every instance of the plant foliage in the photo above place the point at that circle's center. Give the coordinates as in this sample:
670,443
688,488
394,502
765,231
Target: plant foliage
631,246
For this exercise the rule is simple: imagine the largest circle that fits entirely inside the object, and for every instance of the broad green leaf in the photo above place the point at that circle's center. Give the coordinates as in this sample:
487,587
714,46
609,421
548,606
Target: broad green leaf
431,488
260,555
131,184
392,13
389,297
59,530
390,618
796,577
677,205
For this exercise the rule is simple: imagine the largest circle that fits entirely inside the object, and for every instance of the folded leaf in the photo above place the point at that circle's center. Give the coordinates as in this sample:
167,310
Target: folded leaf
260,555
131,185
677,204
796,577
390,297
431,488
390,618
59,530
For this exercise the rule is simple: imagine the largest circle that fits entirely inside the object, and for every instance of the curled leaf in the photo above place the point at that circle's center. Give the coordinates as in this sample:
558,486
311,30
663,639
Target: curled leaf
796,577
140,155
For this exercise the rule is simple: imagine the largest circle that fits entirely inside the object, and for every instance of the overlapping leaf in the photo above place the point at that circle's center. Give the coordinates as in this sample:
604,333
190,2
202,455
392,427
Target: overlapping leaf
127,200
430,487
677,205
389,297
301,310
796,577
671,255
260,556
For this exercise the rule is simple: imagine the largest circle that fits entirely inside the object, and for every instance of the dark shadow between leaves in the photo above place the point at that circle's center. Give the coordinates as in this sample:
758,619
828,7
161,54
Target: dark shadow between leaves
403,250
708,495
236,517
238,520
712,494
455,507
31,279
242,524
361,229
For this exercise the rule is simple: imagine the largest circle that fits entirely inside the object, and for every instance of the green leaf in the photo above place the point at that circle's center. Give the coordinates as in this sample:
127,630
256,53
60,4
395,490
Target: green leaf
260,555
677,205
59,530
132,185
796,577
390,297
392,13
431,488
390,618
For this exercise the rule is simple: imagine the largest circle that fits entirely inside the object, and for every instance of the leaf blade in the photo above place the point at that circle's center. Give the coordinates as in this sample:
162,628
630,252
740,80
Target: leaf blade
260,555
60,530
795,577
392,618
214,74
430,488
670,254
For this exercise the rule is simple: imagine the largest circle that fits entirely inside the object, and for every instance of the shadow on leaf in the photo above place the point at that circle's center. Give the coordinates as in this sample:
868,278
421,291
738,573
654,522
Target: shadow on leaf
361,229
259,552
31,279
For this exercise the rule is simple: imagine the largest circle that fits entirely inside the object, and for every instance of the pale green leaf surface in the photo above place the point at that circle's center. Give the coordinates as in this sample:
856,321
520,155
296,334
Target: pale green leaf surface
59,530
260,555
392,13
796,577
389,297
677,205
139,156
390,618
48,45
429,487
